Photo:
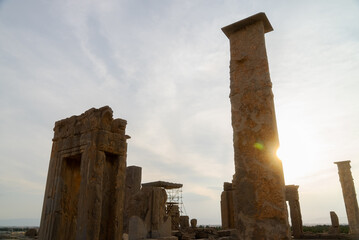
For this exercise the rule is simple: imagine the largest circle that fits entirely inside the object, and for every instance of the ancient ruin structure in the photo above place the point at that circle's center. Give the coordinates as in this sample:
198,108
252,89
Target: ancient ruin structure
292,196
174,200
349,195
85,183
227,208
150,209
259,195
132,187
334,229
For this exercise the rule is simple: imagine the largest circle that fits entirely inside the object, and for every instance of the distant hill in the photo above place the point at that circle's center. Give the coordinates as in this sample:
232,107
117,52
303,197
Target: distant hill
20,222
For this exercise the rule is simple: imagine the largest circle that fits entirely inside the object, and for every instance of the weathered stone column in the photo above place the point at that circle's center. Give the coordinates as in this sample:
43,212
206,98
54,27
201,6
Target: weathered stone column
132,186
349,195
227,208
292,197
260,208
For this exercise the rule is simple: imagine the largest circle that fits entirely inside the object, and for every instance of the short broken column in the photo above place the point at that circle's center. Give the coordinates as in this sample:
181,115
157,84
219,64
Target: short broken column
259,196
174,212
184,222
227,208
193,223
292,197
334,229
85,183
349,195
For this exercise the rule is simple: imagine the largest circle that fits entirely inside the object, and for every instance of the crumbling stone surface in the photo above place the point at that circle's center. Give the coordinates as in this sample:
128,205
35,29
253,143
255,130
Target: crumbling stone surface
350,198
85,185
259,201
137,229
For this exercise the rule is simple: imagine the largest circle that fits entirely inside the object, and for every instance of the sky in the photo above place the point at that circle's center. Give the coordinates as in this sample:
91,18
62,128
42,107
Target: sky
164,67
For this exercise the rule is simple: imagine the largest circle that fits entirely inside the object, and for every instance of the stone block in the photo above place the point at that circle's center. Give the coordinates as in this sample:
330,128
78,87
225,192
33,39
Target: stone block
165,228
137,229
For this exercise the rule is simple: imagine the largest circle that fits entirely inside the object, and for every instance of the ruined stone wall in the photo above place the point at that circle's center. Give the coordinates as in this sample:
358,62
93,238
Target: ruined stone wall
85,185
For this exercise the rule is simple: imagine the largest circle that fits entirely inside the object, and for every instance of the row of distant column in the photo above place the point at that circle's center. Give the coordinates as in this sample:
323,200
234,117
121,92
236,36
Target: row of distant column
292,197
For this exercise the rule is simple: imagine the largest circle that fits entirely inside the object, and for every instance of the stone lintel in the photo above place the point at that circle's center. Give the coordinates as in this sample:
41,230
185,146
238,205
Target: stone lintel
234,27
165,185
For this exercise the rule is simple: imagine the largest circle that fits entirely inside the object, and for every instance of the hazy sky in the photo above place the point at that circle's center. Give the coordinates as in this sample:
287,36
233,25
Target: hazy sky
164,67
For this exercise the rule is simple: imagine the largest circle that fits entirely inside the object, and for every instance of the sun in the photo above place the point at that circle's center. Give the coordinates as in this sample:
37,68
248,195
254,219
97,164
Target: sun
279,153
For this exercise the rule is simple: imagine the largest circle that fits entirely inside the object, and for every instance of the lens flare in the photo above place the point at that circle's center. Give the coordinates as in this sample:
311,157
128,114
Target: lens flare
258,146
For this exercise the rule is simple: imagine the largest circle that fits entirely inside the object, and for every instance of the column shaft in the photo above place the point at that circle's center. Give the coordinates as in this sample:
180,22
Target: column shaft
260,208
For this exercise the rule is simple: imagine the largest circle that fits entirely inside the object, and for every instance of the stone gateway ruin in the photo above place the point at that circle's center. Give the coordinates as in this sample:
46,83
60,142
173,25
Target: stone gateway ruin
84,194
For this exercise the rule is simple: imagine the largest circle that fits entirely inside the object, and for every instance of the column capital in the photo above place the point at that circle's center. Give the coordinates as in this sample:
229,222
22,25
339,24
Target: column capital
291,192
259,17
342,162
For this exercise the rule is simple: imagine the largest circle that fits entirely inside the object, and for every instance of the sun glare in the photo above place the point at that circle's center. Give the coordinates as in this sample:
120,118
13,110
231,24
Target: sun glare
279,153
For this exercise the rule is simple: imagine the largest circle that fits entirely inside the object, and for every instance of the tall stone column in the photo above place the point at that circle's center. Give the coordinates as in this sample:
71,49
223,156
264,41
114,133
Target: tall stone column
349,195
260,207
292,196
